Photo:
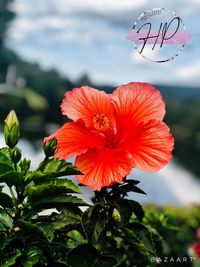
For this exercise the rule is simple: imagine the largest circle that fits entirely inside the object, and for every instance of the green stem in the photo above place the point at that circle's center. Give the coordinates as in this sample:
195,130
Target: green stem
15,166
15,201
12,193
8,213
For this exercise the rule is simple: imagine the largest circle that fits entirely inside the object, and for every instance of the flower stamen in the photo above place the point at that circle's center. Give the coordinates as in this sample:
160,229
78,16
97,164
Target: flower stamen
101,122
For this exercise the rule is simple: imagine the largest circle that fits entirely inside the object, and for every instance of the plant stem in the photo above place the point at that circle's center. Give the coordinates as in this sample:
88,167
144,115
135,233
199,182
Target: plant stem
7,212
12,193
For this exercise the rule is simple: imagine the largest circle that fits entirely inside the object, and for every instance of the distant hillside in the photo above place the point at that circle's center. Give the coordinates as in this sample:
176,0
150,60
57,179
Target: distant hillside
178,93
169,92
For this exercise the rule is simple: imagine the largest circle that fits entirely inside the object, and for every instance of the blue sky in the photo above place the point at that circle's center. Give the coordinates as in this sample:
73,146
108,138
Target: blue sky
89,36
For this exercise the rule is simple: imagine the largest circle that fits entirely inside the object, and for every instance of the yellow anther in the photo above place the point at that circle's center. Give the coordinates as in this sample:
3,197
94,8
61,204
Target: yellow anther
101,122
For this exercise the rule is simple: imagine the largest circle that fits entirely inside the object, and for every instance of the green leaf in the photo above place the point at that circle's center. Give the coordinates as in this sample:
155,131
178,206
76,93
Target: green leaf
33,229
5,240
125,210
5,200
68,184
11,259
88,221
11,178
53,165
126,207
44,230
75,239
70,215
5,156
5,220
86,255
130,186
51,187
94,220
50,227
5,168
105,261
141,238
32,256
137,209
53,168
156,239
132,182
57,202
82,256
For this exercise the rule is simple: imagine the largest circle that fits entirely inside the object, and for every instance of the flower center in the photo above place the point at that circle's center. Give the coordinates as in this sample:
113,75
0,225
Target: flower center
101,122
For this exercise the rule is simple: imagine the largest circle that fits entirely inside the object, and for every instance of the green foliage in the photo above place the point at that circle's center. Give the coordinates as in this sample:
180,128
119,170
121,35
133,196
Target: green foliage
11,258
177,226
108,232
27,235
5,200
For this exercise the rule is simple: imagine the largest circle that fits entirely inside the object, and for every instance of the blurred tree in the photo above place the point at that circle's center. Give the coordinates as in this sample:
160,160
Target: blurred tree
6,56
84,80
6,15
184,121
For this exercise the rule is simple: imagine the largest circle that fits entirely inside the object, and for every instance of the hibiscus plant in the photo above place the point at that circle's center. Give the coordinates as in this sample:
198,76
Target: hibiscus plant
44,220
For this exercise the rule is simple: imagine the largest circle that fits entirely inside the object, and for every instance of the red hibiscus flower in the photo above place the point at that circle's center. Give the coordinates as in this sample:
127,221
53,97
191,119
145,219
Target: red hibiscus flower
113,133
196,249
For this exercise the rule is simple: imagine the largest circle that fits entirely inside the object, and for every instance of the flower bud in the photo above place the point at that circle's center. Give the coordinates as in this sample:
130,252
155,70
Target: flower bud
16,155
16,229
50,147
116,216
11,129
20,206
25,165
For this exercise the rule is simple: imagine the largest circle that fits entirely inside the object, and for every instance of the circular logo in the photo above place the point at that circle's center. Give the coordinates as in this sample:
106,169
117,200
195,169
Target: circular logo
159,35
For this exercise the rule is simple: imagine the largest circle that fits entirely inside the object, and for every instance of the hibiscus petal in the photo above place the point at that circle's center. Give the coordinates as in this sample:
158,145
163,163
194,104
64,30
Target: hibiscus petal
74,138
138,102
150,145
103,167
85,102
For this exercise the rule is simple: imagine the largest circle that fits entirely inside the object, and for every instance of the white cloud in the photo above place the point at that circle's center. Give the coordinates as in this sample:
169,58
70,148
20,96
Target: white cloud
104,6
148,53
77,16
24,27
68,6
62,29
77,29
189,72
196,2
98,6
71,19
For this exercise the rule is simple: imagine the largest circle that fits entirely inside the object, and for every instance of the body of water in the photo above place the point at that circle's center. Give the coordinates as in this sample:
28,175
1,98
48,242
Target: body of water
171,185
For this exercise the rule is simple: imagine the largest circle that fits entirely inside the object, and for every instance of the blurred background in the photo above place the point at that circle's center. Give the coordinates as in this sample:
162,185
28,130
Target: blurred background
48,47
